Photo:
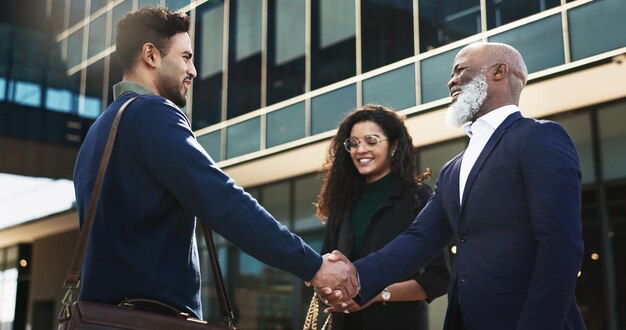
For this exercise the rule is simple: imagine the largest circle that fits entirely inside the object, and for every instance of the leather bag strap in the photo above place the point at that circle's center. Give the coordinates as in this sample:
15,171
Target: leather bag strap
72,279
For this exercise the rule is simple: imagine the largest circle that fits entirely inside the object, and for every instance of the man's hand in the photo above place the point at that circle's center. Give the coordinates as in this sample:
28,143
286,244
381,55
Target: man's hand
337,272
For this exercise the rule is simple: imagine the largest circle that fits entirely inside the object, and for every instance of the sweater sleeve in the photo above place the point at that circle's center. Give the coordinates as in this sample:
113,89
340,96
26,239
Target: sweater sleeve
176,159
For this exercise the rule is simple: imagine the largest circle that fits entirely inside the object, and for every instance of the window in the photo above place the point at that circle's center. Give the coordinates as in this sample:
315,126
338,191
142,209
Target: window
61,94
244,68
3,86
305,194
211,142
59,100
243,138
77,11
176,4
28,67
75,48
613,140
208,57
435,72
594,28
5,52
266,295
285,50
276,198
143,3
333,45
97,35
500,12
328,110
57,16
97,4
445,21
395,89
435,156
286,124
27,93
387,32
540,43
93,97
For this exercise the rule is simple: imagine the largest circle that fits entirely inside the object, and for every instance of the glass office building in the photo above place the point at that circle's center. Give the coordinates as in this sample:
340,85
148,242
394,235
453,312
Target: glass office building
275,77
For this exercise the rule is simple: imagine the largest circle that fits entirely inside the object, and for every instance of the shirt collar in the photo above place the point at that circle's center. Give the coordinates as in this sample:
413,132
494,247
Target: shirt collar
129,86
490,121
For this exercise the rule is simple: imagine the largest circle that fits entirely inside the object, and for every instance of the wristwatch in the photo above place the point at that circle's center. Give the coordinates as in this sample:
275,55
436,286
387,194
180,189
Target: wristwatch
386,295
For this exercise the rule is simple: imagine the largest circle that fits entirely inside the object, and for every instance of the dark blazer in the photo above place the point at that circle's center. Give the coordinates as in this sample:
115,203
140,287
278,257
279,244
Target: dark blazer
391,219
518,233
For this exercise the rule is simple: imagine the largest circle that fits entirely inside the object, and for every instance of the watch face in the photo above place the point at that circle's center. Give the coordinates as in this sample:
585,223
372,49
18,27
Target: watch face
386,295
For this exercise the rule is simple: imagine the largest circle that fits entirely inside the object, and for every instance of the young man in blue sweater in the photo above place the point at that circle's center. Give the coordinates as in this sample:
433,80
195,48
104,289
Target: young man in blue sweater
160,179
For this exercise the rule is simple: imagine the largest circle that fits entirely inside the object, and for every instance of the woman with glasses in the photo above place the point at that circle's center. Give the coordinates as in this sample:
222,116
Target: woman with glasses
371,193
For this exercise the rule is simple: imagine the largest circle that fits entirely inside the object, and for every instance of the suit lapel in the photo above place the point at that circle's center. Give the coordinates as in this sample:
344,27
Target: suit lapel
489,147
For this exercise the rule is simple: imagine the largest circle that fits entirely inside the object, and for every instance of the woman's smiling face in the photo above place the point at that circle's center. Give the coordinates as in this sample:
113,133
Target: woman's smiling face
372,160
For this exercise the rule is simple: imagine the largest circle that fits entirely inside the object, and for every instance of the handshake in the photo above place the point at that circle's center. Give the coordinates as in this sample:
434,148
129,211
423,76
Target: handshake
336,283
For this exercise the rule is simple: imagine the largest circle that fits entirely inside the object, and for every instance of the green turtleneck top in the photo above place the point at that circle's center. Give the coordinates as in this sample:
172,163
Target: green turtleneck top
373,195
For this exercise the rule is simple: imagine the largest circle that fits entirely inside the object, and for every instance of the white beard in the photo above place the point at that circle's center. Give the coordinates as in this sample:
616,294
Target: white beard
469,101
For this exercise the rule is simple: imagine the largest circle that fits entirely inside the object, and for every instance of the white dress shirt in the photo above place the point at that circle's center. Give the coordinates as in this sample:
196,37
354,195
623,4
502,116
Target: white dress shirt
479,132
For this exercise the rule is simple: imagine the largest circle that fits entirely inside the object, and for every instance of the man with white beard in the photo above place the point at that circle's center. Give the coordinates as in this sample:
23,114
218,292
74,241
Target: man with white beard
510,202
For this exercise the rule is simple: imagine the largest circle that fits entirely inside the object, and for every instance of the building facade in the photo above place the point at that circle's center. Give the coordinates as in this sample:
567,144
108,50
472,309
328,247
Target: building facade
275,77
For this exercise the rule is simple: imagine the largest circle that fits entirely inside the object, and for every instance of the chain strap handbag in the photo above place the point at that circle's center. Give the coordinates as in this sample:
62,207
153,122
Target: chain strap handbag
127,314
310,323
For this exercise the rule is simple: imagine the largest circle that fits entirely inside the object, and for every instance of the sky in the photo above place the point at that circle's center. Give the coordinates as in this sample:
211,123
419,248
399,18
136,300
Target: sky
23,199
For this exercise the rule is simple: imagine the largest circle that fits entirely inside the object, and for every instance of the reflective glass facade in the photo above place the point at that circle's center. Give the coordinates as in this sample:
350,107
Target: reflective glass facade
278,74
286,52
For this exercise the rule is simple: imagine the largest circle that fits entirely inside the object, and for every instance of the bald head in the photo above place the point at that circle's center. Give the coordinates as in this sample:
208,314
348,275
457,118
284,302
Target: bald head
489,54
485,76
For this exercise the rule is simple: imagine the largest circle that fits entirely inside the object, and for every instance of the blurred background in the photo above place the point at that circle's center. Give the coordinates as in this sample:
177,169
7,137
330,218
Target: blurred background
275,77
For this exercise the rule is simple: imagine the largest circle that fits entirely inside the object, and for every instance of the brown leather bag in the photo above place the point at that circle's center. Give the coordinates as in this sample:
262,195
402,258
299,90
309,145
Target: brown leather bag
134,313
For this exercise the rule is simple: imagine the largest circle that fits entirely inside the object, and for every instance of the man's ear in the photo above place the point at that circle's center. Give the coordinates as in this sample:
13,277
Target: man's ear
500,71
150,55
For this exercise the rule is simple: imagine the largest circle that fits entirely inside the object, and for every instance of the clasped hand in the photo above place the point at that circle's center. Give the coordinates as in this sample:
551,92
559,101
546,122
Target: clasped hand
336,283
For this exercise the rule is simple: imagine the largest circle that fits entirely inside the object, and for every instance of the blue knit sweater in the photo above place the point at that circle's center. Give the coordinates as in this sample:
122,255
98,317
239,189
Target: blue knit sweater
159,179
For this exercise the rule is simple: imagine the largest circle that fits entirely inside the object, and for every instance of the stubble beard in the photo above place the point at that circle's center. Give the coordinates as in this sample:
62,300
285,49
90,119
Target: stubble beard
172,90
468,103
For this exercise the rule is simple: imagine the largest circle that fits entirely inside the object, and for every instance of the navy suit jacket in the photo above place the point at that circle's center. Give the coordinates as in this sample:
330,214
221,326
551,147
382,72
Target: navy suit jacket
518,233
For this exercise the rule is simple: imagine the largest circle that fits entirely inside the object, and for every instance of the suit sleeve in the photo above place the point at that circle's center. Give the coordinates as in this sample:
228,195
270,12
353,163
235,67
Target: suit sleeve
176,159
551,175
426,237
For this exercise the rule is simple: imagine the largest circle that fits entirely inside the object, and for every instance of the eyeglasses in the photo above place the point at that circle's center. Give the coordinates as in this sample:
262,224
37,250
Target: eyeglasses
370,143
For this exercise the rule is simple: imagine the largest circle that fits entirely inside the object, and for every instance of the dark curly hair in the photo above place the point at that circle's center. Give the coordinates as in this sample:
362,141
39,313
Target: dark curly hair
343,184
152,24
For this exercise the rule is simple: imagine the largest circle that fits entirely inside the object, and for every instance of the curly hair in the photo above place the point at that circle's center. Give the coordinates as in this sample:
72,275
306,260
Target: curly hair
152,24
343,184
